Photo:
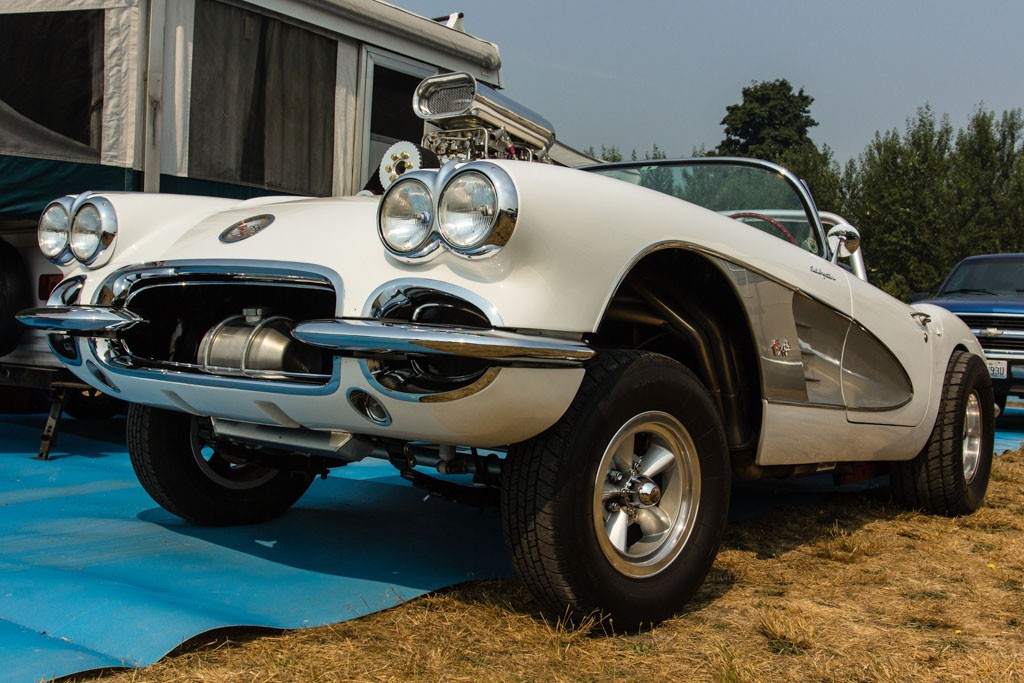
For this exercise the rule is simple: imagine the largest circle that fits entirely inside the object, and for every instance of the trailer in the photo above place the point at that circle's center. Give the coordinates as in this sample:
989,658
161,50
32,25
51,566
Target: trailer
224,98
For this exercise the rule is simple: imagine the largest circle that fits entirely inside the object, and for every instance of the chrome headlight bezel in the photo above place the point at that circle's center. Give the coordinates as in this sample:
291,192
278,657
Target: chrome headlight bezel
504,213
104,232
428,243
63,255
466,215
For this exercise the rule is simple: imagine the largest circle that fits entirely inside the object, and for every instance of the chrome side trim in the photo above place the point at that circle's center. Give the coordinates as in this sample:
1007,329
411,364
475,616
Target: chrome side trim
78,319
381,338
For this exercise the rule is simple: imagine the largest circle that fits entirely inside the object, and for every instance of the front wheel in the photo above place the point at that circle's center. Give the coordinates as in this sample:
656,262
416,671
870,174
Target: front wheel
618,509
950,475
190,475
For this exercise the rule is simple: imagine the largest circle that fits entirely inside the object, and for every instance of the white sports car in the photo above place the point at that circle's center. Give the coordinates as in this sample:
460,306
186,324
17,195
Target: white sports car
605,347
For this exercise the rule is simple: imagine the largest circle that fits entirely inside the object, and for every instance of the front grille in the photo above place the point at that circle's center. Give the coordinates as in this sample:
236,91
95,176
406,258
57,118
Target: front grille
997,332
234,323
997,321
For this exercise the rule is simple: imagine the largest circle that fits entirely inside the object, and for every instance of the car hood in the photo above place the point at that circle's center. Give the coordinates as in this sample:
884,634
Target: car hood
981,304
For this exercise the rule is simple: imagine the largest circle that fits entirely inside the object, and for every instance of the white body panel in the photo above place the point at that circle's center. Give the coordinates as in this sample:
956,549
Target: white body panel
576,237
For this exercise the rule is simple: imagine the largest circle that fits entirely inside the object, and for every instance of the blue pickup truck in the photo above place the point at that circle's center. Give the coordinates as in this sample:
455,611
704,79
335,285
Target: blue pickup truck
987,293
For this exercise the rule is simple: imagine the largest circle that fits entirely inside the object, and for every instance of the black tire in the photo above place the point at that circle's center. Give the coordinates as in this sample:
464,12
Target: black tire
950,475
202,482
91,404
550,504
15,295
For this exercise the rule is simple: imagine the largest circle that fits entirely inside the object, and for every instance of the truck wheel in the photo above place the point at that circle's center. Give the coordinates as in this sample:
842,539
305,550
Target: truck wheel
950,475
91,404
15,294
204,482
617,510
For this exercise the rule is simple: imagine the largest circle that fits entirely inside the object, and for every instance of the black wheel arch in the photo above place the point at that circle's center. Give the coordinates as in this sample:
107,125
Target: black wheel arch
678,302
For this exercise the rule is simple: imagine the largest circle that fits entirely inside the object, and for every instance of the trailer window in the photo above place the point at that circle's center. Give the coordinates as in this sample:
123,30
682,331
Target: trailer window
262,101
51,83
391,115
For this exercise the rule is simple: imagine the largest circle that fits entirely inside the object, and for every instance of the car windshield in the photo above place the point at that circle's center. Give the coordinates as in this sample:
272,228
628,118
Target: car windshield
758,196
985,276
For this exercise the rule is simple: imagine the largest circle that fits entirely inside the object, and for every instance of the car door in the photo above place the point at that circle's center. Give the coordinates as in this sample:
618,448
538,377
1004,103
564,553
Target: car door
887,360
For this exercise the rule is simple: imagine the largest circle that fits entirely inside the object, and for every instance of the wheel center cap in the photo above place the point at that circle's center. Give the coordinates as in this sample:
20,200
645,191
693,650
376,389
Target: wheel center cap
647,493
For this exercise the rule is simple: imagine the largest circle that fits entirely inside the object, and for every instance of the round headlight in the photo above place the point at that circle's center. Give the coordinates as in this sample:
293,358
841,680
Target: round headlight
467,210
54,226
93,232
406,214
85,233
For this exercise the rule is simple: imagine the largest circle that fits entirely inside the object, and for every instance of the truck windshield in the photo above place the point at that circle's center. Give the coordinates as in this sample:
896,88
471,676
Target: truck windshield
1000,276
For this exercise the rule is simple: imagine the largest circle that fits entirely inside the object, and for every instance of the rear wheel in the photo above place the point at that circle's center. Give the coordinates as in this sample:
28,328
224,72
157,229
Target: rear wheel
618,510
203,481
950,475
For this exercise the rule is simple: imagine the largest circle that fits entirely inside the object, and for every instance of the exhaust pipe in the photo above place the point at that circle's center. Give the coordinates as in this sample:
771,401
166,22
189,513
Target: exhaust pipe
254,343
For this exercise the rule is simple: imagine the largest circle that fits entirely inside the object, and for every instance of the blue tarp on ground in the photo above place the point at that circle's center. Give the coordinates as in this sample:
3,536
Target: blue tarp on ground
93,574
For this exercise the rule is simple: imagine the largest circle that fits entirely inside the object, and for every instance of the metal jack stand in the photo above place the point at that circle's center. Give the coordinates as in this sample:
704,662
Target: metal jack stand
49,439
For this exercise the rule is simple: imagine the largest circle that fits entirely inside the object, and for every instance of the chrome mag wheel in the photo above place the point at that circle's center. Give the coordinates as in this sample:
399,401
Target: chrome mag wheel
646,494
972,436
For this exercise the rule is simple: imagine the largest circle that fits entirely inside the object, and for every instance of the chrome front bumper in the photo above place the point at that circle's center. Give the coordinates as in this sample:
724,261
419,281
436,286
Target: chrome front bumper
364,338
78,319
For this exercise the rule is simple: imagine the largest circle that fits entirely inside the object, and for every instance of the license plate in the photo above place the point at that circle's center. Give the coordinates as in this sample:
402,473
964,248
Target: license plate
997,368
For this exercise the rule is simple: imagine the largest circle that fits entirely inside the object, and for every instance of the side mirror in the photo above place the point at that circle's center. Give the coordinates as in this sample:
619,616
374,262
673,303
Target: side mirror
919,296
843,240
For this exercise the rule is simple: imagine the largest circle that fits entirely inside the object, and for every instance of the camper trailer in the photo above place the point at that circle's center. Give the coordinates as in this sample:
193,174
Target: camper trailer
224,98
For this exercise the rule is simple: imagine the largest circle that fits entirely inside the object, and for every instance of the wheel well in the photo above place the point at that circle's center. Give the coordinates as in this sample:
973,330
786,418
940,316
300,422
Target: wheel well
680,304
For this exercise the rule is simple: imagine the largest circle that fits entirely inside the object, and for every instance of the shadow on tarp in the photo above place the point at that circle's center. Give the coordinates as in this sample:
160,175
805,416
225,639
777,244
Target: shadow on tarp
94,575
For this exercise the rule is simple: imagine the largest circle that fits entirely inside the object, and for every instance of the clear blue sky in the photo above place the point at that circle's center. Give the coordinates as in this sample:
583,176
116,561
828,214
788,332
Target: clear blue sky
662,71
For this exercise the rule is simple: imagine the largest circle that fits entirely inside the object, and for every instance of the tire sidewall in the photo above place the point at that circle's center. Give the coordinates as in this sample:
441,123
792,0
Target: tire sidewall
976,379
651,383
162,453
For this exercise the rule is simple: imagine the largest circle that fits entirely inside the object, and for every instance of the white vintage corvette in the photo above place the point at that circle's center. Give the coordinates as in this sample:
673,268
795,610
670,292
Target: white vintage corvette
622,340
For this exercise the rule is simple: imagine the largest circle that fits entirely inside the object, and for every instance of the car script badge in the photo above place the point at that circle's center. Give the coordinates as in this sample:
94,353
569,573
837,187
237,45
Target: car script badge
247,228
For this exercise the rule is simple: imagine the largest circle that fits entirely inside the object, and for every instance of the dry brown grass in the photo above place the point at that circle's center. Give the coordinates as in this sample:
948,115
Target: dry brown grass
850,590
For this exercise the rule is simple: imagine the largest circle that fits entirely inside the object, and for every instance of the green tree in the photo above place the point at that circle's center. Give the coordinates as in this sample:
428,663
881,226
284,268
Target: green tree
899,195
987,182
770,120
607,153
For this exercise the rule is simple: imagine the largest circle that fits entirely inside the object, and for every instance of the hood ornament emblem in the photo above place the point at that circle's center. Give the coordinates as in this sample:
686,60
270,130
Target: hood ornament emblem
246,228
